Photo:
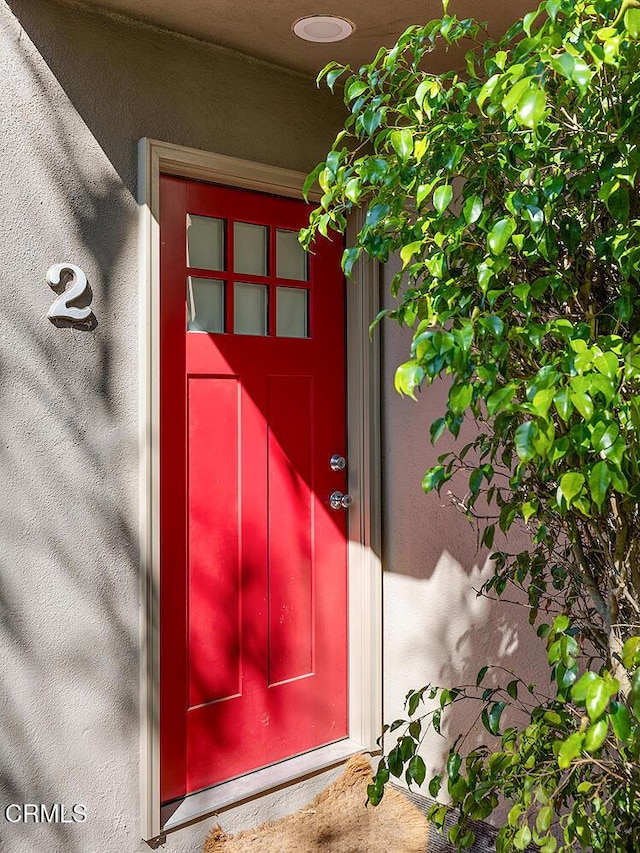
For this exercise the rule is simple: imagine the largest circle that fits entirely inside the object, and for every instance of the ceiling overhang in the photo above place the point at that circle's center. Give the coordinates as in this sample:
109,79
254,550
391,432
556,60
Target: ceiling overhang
263,28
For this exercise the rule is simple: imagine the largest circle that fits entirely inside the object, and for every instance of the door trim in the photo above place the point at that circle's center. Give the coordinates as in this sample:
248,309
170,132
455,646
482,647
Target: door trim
363,437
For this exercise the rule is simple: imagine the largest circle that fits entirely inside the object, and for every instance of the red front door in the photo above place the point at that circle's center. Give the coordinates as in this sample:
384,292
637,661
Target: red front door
253,559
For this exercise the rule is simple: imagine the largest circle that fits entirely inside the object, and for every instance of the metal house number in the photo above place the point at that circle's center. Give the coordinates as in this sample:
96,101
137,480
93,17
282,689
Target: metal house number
62,274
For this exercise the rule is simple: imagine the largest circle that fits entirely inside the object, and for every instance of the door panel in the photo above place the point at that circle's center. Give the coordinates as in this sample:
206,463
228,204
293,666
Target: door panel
253,560
214,538
290,558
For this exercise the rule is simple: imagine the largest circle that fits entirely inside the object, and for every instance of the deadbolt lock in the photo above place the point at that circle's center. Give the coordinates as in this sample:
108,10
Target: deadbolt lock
337,462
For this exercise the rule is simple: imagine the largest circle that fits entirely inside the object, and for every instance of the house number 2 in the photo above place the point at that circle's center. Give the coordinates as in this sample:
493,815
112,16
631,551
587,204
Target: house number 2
62,274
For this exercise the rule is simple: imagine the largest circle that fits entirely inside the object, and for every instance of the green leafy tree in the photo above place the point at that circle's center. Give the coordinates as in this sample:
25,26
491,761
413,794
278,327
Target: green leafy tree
510,193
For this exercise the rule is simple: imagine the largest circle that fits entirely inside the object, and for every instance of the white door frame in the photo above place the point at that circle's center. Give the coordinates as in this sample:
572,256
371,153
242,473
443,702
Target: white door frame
363,445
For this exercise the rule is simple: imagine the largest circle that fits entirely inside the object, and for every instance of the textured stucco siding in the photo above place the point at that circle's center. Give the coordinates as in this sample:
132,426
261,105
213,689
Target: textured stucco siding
78,91
437,630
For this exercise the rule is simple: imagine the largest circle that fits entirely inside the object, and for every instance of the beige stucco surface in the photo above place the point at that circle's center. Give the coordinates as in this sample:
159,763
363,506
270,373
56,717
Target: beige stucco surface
437,630
78,91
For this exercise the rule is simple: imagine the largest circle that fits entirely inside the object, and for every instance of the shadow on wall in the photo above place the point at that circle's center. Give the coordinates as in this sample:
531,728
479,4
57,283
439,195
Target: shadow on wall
437,629
68,455
129,80
79,90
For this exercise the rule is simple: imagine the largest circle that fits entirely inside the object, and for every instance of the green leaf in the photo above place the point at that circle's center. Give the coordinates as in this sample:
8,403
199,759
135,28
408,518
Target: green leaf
460,397
571,485
531,108
395,762
481,674
597,698
374,794
402,142
500,234
570,749
607,364
435,784
408,377
631,653
632,22
487,90
376,214
522,838
310,180
472,209
544,818
488,535
433,479
353,189
595,736
553,652
354,90
618,203
442,197
475,480
494,717
553,7
582,74
604,436
561,623
436,429
422,91
579,689
563,404
542,401
454,761
349,257
499,400
583,403
423,191
599,482
332,76
620,721
407,252
524,438
417,769
494,324
511,99
513,818
568,650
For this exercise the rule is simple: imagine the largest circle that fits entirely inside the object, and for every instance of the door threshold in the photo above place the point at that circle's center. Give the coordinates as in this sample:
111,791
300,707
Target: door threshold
198,805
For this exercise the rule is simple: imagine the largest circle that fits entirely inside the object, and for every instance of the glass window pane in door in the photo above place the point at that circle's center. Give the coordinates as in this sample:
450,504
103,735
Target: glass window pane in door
250,309
205,305
292,312
291,259
205,242
250,244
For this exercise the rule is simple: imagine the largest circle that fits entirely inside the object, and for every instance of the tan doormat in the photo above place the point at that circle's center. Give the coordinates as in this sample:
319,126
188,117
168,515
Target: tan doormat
337,821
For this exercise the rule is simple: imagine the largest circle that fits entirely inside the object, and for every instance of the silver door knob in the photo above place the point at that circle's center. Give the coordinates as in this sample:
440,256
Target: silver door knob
337,462
339,501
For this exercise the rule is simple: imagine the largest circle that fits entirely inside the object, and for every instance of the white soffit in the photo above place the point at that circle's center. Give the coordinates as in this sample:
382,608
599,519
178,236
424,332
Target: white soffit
264,29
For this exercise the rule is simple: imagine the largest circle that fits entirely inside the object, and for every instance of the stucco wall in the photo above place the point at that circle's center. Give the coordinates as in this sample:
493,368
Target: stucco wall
78,91
437,630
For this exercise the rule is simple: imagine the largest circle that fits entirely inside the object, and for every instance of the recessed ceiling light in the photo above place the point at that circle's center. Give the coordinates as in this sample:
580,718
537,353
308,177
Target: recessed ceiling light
323,28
